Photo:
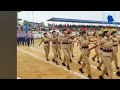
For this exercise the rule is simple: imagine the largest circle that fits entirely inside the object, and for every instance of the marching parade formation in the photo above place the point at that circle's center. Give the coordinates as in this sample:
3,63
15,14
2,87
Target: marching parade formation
105,45
105,42
25,38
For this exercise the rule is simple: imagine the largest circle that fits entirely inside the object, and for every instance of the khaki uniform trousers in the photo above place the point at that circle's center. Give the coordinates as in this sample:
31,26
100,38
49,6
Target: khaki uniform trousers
46,49
96,53
66,55
85,57
59,51
55,50
115,59
100,54
107,59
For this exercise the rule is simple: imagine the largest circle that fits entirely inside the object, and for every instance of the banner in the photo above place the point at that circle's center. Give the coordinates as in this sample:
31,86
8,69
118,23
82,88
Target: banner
112,29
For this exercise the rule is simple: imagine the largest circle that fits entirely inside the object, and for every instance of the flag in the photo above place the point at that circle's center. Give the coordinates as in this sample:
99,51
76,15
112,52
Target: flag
26,27
110,19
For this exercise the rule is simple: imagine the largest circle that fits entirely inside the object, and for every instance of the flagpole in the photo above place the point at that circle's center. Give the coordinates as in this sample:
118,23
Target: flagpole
33,18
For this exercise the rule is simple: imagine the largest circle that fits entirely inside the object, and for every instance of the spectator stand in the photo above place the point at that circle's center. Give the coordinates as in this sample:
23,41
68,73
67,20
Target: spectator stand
78,23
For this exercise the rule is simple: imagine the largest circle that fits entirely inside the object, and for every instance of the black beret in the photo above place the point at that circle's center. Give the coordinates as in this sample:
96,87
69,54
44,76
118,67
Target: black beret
113,32
53,32
104,32
64,29
45,33
82,32
101,34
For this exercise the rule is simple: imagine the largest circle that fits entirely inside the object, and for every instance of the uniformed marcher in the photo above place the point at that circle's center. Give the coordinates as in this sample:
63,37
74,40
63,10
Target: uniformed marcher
54,40
96,35
115,48
32,38
78,43
46,41
100,52
18,38
107,55
59,46
71,43
28,38
23,35
65,49
85,51
70,46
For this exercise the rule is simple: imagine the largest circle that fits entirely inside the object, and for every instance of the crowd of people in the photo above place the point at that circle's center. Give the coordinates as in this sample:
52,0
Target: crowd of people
75,27
105,45
25,38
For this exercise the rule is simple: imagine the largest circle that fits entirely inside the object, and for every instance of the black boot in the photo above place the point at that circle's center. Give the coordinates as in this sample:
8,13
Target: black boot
89,76
93,59
63,64
81,70
60,58
99,68
118,73
56,63
72,56
68,67
53,60
70,61
98,61
107,74
79,62
101,77
47,59
117,68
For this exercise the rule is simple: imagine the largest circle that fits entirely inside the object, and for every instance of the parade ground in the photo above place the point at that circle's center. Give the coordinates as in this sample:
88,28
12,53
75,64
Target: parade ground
31,64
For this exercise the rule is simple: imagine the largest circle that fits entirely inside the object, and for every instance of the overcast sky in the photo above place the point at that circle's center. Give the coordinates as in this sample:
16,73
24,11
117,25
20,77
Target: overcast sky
38,16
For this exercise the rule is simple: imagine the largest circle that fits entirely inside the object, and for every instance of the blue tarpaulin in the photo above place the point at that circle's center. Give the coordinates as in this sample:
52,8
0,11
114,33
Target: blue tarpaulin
81,21
19,19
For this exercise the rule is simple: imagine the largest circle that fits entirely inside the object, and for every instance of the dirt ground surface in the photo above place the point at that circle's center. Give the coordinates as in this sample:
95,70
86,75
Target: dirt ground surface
31,64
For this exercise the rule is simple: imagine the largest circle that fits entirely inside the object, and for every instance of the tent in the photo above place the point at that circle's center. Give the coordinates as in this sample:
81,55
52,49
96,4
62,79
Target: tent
81,21
54,30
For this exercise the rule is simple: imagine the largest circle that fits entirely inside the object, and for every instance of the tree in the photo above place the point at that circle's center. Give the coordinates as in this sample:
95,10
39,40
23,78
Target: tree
42,24
24,22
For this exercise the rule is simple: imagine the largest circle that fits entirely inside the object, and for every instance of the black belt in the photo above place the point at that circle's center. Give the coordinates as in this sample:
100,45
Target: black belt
70,43
64,42
85,47
101,48
59,43
115,45
107,50
46,42
54,42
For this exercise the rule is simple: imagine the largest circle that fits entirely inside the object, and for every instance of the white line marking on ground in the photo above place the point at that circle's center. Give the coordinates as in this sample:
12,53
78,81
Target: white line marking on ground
82,76
18,78
73,60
